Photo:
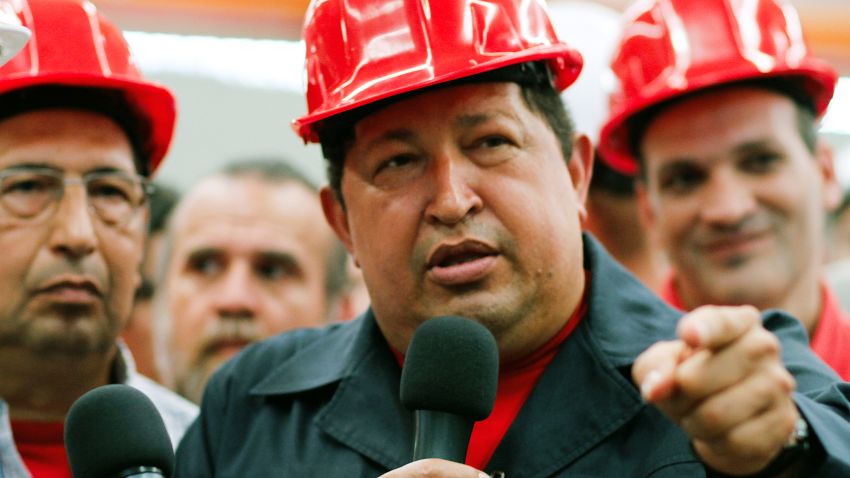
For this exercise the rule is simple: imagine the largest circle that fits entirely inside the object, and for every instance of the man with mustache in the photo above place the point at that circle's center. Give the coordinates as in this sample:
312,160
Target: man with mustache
458,185
733,178
247,256
80,131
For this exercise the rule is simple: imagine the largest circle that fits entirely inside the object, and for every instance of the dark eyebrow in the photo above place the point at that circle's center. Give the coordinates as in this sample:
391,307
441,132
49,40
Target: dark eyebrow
469,121
109,169
280,257
42,165
203,253
678,164
755,146
32,165
391,135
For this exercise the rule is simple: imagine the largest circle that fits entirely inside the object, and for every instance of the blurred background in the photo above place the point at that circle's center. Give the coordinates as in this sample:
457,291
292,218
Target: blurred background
235,66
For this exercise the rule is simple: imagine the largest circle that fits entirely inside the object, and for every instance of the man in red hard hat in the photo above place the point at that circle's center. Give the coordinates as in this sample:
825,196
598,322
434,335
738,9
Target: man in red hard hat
458,185
80,132
719,112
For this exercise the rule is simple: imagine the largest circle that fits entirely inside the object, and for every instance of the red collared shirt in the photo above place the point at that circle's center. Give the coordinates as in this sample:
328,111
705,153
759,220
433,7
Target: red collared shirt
831,340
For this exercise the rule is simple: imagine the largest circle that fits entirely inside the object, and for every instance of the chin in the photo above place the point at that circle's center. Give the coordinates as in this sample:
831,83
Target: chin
73,343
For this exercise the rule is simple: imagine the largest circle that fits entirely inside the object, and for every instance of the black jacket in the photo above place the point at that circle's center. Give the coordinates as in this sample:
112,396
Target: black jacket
324,402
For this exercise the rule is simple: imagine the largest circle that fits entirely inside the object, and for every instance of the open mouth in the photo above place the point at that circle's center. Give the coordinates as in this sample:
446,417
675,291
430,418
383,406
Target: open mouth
460,263
467,251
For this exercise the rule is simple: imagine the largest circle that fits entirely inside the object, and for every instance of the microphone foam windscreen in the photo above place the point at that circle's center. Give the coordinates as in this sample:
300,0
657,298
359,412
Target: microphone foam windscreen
452,365
114,428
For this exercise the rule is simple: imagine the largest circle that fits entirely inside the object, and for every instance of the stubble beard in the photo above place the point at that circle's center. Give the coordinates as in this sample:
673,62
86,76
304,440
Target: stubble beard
61,330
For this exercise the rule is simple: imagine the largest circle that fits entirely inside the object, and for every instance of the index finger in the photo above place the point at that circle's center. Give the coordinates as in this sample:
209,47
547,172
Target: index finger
654,370
714,327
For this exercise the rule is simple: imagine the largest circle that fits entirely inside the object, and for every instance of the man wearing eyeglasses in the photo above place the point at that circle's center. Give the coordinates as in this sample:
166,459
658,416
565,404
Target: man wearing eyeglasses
80,130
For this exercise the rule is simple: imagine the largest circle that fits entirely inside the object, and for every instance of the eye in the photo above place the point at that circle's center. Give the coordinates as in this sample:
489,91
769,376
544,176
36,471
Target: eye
493,141
205,264
492,147
396,171
275,268
112,188
681,179
761,162
395,162
108,190
28,184
270,270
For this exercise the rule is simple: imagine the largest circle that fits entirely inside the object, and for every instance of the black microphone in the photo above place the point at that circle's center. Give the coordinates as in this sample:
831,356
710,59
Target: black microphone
114,431
449,379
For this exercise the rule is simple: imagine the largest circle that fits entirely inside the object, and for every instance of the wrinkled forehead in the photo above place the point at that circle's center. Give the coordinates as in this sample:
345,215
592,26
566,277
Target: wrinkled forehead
455,105
222,206
65,139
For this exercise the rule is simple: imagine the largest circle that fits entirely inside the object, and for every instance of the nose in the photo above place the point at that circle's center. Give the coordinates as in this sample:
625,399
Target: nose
728,200
454,195
73,232
236,296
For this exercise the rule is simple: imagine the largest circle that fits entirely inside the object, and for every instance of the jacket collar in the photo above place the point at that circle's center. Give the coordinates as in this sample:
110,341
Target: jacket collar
322,362
626,316
364,411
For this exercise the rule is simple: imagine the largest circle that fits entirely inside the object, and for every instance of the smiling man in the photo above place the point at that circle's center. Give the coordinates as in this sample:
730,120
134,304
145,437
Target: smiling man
734,180
77,141
458,185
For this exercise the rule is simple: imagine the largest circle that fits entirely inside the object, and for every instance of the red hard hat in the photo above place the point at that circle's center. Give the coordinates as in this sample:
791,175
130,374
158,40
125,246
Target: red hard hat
362,51
73,45
674,47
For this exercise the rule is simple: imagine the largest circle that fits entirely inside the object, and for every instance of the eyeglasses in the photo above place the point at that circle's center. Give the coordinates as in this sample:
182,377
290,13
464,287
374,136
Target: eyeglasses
33,193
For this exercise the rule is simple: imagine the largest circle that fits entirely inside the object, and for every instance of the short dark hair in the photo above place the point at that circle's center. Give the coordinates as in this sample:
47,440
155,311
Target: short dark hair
279,170
109,102
607,179
788,87
336,134
161,200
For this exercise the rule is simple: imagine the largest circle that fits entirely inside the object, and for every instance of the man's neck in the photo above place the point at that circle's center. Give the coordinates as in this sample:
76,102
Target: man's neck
42,388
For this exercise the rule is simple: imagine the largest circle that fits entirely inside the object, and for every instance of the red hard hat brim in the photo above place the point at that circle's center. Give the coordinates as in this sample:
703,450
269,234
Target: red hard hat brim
818,78
150,100
566,64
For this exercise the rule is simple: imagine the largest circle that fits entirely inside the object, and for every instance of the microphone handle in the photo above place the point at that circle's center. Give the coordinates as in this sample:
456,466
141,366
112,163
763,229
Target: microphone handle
441,435
141,472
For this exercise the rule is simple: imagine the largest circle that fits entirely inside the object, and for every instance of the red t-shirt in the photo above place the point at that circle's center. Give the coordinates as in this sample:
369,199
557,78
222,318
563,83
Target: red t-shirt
830,341
42,446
